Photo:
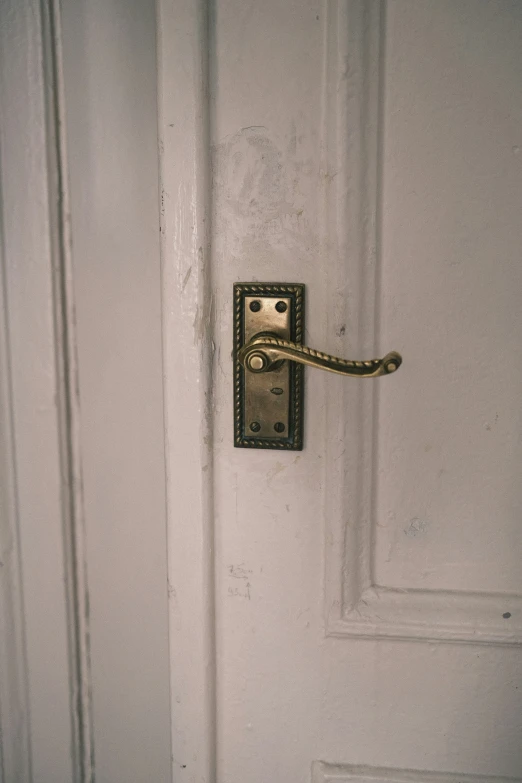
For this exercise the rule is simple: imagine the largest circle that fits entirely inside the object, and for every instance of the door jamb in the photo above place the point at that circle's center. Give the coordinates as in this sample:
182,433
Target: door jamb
44,681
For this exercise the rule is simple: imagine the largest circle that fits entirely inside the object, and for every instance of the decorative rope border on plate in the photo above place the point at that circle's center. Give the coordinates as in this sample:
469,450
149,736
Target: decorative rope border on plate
294,440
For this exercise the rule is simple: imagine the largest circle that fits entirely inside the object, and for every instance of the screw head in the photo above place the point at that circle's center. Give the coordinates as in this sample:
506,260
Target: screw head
255,426
281,307
255,306
279,426
256,362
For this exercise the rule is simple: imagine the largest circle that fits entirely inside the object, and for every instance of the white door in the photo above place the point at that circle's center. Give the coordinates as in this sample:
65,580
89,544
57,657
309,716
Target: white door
352,611
348,612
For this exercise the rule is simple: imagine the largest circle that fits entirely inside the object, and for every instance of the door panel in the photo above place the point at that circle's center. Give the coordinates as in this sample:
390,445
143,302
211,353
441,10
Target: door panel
451,194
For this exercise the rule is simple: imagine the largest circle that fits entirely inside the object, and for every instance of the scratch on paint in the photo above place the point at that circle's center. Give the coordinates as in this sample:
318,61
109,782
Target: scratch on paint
203,320
279,468
186,278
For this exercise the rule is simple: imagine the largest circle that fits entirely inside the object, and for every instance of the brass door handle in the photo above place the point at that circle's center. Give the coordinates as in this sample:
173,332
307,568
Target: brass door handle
268,365
264,353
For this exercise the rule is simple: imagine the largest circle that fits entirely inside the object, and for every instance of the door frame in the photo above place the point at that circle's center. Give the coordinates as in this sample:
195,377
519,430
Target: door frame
44,678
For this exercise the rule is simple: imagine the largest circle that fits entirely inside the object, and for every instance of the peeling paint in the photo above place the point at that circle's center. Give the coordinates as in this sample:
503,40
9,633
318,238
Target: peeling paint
417,527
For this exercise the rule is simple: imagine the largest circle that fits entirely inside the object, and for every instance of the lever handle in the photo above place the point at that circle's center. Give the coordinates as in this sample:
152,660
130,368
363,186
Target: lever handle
265,353
268,355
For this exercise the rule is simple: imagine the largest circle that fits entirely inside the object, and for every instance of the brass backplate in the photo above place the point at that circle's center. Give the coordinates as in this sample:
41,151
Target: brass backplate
268,406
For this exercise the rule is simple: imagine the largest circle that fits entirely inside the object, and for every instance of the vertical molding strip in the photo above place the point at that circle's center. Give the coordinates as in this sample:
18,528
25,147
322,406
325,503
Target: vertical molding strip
75,558
350,144
184,128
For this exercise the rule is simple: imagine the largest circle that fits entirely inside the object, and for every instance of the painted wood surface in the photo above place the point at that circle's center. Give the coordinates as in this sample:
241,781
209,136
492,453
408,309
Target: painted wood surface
366,592
348,613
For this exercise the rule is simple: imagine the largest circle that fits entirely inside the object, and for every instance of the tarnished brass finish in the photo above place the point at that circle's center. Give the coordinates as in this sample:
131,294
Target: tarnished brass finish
264,352
268,359
268,406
